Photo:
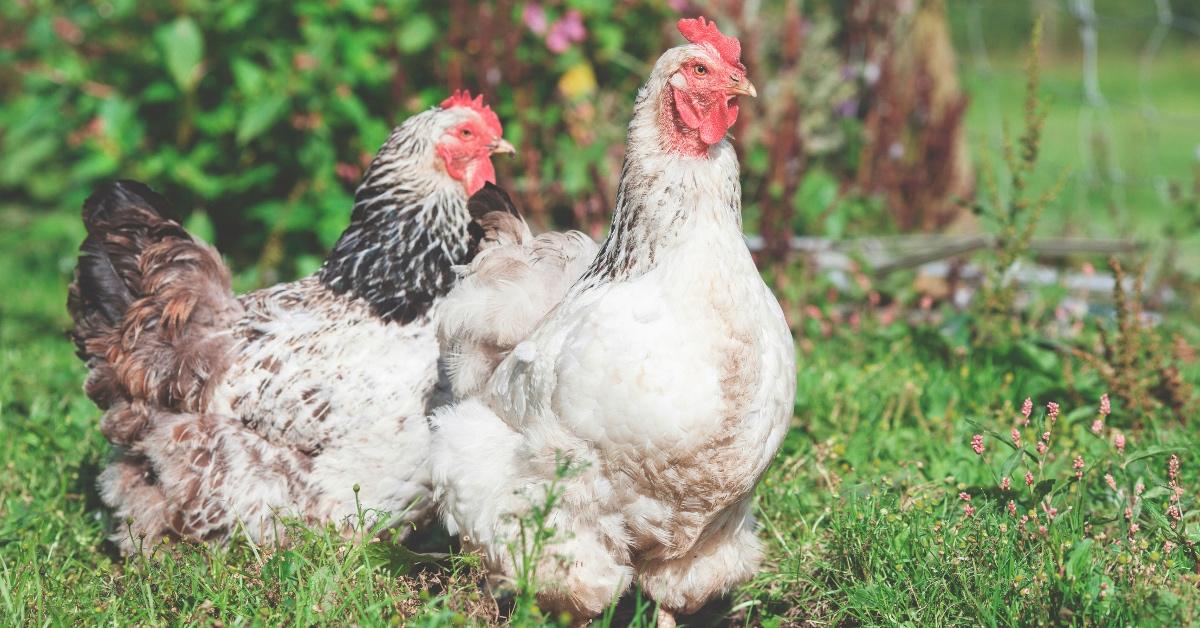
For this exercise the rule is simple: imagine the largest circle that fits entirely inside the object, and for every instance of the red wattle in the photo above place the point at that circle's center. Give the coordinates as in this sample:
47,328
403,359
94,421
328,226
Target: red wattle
712,130
472,170
712,119
483,172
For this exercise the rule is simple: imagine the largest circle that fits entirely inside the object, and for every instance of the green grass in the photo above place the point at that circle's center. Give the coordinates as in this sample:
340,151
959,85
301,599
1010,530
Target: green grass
1151,137
860,511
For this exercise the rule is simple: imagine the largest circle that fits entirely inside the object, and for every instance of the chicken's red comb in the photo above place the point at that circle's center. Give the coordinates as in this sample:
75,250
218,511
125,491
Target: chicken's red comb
462,98
701,31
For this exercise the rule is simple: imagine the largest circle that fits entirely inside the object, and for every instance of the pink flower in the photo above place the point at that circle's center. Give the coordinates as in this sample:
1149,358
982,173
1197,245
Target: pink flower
1108,479
968,510
557,42
1052,411
678,5
1051,511
1129,513
1012,508
566,31
1105,405
1133,529
1078,466
1041,449
1028,478
572,24
966,497
1097,427
1168,546
1139,488
1046,437
1027,409
1016,437
534,17
977,444
1005,483
1173,467
1119,441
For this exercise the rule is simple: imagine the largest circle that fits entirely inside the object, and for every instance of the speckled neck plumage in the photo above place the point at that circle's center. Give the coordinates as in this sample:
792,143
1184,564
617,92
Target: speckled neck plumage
406,233
660,188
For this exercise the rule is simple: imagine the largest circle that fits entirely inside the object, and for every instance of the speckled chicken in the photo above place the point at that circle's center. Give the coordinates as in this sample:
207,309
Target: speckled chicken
660,366
227,413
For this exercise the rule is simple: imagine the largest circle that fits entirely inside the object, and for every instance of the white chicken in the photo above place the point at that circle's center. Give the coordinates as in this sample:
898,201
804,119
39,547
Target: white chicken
661,367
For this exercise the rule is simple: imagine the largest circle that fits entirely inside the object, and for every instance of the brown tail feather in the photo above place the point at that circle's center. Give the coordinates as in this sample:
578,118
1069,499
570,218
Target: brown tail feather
149,303
122,220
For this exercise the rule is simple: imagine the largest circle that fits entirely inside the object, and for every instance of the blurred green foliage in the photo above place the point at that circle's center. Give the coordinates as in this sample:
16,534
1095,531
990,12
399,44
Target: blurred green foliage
257,118
260,116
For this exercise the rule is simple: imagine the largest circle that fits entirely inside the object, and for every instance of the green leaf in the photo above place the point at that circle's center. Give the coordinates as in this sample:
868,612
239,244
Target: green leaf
816,193
201,226
1154,451
183,50
1013,459
249,77
1044,360
416,34
259,116
25,157
1080,559
284,566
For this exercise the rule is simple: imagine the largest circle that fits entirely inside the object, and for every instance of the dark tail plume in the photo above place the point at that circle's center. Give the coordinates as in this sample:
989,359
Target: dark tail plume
122,219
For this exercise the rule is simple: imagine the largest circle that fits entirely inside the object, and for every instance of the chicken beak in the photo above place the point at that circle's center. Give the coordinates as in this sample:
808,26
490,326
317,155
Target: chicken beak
501,146
743,87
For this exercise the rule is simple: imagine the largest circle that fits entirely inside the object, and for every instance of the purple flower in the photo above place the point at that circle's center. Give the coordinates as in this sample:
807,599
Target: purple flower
848,108
679,5
534,17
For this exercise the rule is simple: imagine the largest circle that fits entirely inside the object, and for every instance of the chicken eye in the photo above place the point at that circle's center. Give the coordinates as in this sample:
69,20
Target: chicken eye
700,69
465,133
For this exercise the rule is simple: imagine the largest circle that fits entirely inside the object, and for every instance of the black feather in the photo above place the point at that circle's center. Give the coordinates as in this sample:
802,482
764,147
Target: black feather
122,218
106,203
101,288
491,198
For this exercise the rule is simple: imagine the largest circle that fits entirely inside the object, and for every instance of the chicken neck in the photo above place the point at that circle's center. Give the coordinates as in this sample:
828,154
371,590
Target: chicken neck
406,233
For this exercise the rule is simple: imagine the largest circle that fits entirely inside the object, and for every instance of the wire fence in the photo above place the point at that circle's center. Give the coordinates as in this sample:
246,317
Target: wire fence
1108,164
1102,159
